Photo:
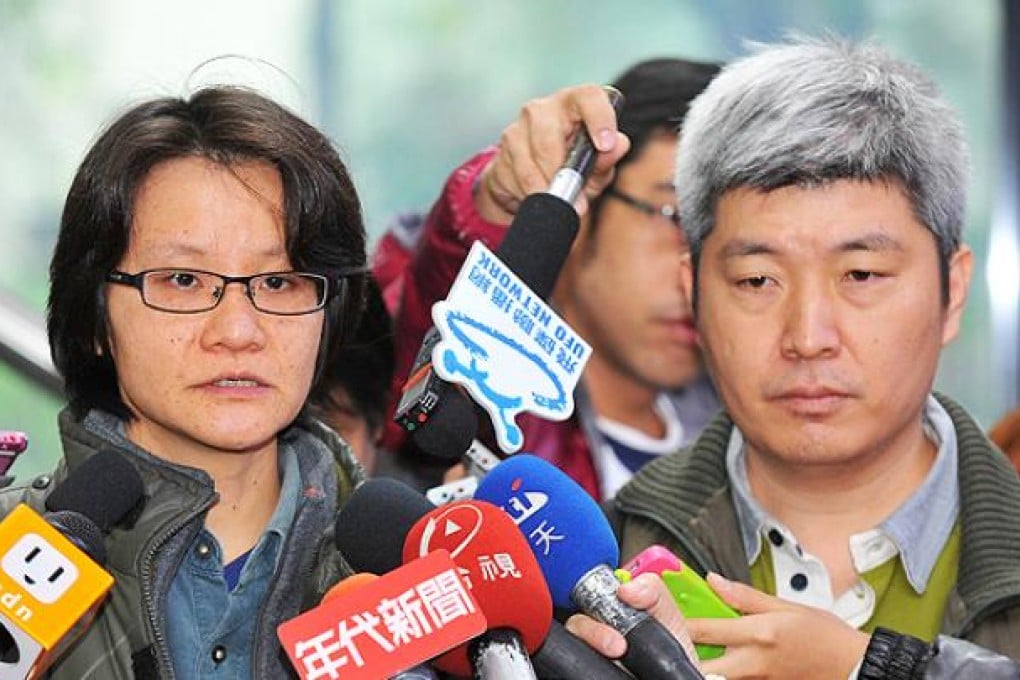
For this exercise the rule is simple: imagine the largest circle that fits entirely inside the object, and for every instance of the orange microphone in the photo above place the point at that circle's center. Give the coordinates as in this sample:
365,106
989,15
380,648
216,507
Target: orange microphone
348,585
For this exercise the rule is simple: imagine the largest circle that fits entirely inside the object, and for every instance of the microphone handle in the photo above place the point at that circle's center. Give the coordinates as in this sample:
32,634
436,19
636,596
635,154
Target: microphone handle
499,654
563,655
653,653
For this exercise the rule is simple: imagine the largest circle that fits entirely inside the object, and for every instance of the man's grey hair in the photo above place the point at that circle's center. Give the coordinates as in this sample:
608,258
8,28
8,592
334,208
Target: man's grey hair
810,111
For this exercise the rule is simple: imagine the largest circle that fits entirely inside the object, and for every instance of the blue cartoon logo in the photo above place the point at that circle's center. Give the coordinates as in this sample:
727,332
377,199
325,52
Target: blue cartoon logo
507,347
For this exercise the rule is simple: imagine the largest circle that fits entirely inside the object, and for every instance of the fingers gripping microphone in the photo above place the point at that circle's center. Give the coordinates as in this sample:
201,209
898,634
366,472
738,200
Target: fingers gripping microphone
440,418
577,551
50,573
504,578
564,655
370,533
538,241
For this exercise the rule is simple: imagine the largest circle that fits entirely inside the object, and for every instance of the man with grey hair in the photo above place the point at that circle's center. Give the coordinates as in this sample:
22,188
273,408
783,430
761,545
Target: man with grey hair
822,190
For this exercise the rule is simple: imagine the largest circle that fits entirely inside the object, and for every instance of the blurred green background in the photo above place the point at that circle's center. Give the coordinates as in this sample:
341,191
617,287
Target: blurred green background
409,88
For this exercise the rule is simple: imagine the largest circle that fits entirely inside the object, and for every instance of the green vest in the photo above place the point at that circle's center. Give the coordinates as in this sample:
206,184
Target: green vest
897,605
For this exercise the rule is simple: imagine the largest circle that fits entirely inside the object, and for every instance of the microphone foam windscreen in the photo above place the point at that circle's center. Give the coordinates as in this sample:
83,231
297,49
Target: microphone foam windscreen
451,427
538,241
563,525
372,525
501,570
104,488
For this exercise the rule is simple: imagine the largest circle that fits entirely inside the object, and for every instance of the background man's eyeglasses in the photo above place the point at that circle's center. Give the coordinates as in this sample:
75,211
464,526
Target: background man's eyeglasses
190,291
667,211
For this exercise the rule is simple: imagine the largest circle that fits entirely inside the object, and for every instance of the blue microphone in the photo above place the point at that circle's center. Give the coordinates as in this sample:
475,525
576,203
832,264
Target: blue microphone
578,553
565,528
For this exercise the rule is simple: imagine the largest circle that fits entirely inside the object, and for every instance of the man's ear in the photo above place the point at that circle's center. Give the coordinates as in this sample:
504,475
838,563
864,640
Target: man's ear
687,280
961,265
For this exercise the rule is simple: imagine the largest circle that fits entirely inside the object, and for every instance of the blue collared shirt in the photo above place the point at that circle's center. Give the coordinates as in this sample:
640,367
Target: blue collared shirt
210,629
916,532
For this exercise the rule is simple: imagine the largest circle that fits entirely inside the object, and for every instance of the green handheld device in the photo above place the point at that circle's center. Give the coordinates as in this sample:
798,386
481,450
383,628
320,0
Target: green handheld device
695,599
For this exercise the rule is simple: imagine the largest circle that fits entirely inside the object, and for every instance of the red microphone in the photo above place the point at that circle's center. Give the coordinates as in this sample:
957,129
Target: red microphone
351,584
379,627
504,577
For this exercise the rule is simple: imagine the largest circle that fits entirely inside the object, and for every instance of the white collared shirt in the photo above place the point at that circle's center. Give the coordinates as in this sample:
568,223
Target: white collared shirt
916,532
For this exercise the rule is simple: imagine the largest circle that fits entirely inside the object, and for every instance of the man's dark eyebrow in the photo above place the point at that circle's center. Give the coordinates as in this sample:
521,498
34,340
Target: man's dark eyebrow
744,248
875,242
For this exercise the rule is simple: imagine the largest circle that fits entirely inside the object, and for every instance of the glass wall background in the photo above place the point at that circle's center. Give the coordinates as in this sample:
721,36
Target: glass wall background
409,88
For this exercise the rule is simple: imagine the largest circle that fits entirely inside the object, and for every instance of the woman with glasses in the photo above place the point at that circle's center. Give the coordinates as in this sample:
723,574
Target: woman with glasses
208,260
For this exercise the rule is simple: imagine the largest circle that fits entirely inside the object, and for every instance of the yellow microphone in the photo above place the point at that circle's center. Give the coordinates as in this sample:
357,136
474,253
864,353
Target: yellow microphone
47,585
51,578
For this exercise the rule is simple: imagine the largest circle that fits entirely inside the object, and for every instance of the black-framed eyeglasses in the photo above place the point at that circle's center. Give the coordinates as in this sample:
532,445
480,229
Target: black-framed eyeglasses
190,291
667,211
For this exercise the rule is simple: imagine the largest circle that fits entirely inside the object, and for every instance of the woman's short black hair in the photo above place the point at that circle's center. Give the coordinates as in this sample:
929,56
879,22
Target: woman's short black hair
226,125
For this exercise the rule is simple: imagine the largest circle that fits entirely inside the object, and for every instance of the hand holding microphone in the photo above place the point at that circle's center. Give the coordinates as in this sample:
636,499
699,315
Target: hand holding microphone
440,418
644,593
532,149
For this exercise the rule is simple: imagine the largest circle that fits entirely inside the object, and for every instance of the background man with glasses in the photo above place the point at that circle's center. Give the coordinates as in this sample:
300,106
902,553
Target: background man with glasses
643,393
200,383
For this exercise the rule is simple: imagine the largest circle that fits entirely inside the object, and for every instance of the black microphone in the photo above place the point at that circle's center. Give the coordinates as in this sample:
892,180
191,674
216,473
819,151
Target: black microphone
96,496
441,419
372,524
390,509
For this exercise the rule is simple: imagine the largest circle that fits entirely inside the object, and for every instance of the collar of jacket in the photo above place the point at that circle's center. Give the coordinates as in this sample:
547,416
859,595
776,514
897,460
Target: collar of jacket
175,497
687,494
328,470
989,575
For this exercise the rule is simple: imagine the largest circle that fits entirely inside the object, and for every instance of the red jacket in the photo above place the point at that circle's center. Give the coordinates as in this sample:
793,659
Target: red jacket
450,229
